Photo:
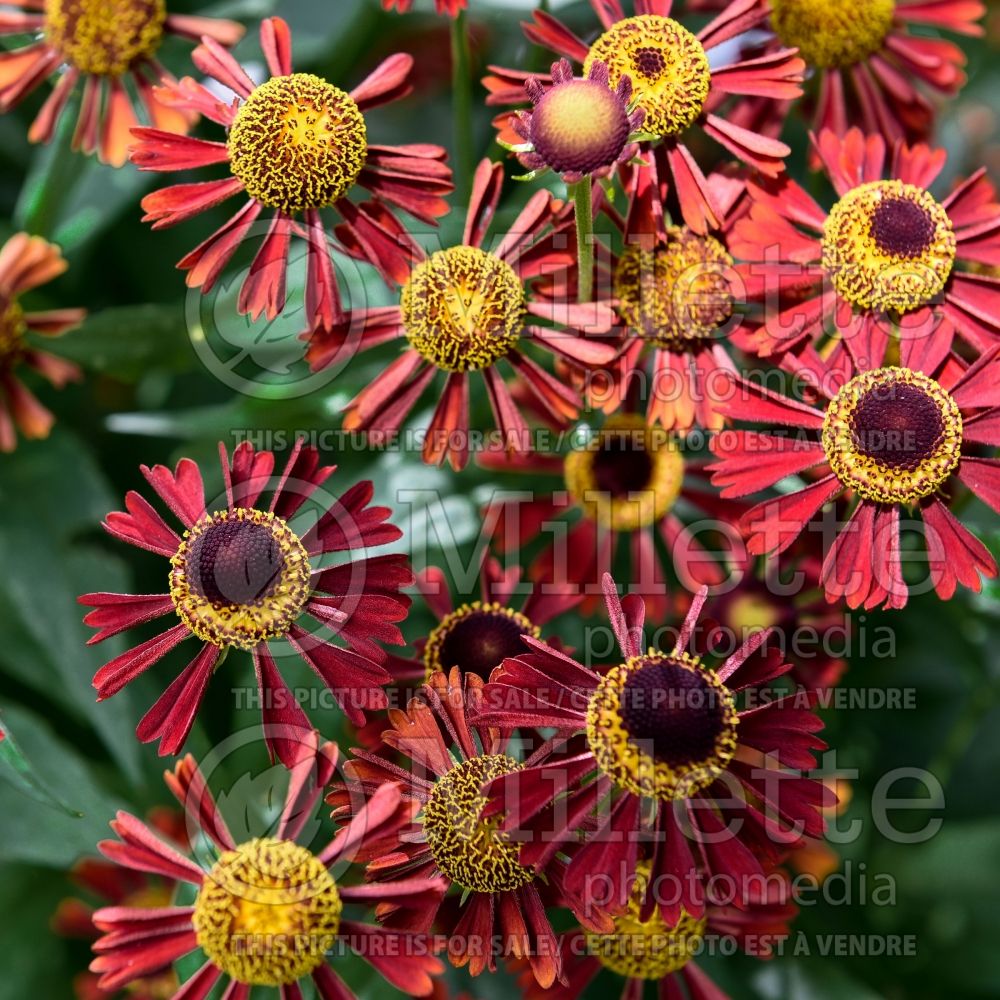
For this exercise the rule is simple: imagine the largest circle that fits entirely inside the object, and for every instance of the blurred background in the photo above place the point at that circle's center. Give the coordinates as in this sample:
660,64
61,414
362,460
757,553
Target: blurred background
168,375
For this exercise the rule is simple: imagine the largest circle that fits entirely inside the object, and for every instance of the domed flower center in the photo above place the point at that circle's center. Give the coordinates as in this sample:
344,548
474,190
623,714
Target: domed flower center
579,126
678,294
833,33
267,913
239,577
662,726
463,309
888,246
647,949
893,435
667,64
297,143
474,853
105,37
12,330
627,476
477,638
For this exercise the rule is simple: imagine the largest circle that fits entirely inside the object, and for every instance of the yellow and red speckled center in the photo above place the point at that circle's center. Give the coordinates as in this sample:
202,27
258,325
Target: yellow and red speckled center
105,37
833,33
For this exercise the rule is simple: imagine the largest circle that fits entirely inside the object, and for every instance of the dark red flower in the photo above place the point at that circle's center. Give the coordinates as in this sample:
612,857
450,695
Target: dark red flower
25,263
888,437
250,916
643,948
674,83
242,576
623,484
102,43
885,256
452,757
655,755
295,144
465,309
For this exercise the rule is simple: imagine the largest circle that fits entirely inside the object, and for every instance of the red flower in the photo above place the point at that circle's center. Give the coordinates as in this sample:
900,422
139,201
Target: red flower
450,7
250,916
886,254
243,576
870,65
628,482
649,748
25,263
674,84
465,309
677,296
477,636
103,43
295,144
643,947
452,758
124,888
891,437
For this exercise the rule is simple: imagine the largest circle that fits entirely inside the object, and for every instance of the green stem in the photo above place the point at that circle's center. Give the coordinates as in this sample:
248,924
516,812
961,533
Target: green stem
584,238
461,88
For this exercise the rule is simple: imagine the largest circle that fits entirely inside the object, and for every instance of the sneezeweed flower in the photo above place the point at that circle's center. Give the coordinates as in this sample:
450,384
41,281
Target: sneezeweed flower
450,7
643,948
677,295
876,61
667,752
103,43
886,255
295,145
269,910
478,635
116,886
577,127
25,263
244,576
465,309
674,84
890,439
451,758
628,485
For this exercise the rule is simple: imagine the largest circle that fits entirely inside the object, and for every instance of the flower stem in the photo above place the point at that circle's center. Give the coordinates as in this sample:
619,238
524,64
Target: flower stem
584,239
461,72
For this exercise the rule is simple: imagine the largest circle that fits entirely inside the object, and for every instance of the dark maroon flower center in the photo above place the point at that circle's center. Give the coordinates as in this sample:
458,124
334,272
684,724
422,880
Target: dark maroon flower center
649,62
897,425
235,562
622,465
674,710
481,641
902,228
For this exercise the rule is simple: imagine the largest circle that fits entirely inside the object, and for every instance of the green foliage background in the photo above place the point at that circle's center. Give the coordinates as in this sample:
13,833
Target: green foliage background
147,398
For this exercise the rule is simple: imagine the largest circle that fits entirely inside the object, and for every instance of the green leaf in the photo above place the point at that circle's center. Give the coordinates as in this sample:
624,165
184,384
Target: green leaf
18,770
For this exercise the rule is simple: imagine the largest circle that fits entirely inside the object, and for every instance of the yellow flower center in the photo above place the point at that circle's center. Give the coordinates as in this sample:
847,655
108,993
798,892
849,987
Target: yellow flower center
833,33
751,613
677,294
888,246
667,65
463,309
627,476
12,330
893,435
105,37
469,850
476,638
298,142
647,949
579,126
267,912
239,577
662,726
